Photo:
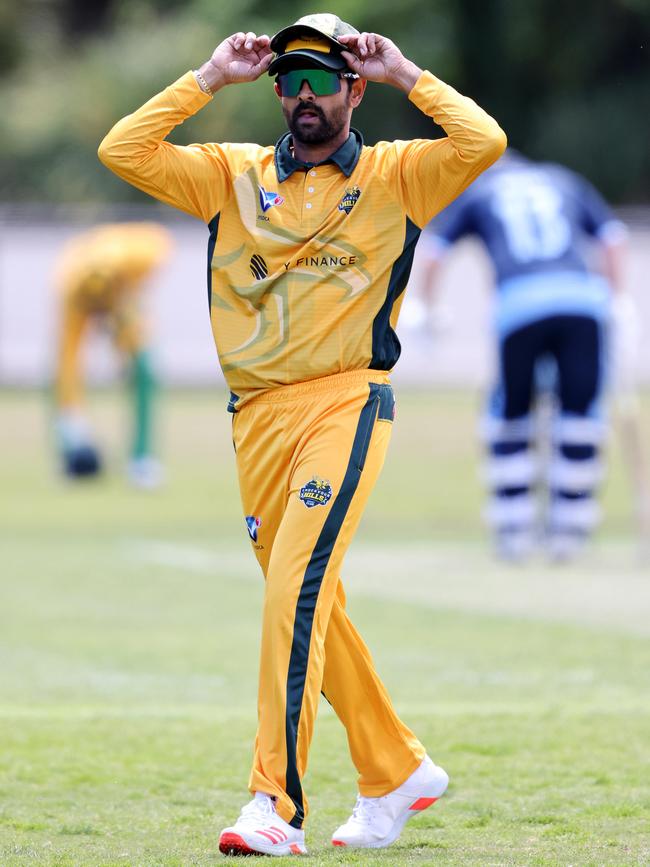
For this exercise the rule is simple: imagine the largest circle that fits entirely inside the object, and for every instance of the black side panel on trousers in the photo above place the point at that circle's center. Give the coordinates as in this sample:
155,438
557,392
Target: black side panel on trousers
386,403
308,597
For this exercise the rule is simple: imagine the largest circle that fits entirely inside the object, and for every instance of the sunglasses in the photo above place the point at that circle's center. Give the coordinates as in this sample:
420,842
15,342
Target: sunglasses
322,82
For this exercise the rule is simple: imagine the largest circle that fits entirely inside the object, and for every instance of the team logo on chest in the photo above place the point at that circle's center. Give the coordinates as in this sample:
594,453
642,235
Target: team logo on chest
350,198
317,492
268,200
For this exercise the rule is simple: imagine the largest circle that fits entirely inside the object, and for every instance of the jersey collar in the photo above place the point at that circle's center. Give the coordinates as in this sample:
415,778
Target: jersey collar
346,157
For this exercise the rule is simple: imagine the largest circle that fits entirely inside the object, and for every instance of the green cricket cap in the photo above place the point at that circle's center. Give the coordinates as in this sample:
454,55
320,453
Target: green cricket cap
311,41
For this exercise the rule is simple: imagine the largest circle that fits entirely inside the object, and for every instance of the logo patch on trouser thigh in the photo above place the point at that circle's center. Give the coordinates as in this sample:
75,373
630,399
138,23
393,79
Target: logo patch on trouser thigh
252,524
316,492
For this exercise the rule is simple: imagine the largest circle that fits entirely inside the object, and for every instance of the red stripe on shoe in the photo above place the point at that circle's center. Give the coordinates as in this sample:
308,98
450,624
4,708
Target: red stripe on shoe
422,803
295,848
338,843
283,836
268,835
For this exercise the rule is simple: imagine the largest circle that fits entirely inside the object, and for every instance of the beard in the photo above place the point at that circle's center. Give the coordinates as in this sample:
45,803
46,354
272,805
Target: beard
326,129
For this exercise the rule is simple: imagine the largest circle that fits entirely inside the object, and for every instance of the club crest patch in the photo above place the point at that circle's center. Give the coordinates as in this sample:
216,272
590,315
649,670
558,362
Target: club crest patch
317,492
268,200
252,524
350,198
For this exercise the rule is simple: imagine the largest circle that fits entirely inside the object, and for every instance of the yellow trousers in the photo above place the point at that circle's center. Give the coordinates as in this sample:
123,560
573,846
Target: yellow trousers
308,456
124,322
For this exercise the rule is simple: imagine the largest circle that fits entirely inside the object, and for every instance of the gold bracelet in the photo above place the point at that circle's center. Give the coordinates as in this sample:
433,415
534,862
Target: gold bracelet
203,84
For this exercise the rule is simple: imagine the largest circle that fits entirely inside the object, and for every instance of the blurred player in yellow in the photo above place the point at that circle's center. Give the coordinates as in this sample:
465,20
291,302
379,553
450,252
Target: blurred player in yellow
100,278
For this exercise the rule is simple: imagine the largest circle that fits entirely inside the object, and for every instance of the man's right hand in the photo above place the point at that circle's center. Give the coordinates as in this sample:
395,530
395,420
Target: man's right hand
239,58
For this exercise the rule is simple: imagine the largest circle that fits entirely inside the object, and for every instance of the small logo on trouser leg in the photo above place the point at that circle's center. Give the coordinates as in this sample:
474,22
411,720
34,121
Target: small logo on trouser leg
252,523
317,492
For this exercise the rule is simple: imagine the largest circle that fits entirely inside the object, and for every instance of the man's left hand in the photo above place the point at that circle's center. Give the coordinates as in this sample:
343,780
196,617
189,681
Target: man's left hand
376,58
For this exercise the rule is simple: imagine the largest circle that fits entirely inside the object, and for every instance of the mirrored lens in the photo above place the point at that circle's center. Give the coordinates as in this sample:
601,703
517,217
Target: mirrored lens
321,82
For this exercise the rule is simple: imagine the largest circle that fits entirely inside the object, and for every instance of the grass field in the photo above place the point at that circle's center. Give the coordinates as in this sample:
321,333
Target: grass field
128,655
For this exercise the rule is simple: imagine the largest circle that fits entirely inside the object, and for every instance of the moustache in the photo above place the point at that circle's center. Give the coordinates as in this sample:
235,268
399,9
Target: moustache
303,107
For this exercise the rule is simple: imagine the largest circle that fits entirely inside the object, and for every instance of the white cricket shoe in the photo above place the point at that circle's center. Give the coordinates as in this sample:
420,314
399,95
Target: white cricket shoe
145,473
565,547
514,546
260,831
377,822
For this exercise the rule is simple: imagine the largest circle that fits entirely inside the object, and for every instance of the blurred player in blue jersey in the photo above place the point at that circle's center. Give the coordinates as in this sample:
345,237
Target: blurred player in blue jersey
556,252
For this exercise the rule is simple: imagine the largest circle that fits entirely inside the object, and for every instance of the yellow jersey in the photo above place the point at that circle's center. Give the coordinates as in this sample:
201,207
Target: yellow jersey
307,263
101,266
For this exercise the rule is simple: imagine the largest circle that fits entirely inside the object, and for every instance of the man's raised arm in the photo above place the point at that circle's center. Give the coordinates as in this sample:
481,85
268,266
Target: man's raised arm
428,174
194,179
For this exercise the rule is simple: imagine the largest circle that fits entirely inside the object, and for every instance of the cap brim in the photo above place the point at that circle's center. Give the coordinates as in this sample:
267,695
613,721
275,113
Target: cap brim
305,58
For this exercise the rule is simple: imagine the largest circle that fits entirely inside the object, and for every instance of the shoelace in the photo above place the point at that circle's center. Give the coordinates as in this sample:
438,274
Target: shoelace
258,808
364,810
